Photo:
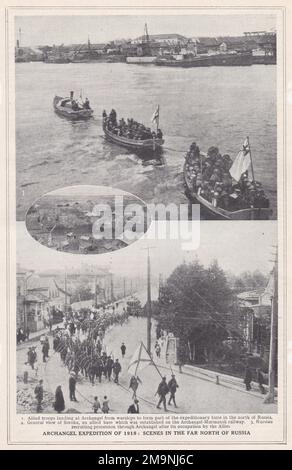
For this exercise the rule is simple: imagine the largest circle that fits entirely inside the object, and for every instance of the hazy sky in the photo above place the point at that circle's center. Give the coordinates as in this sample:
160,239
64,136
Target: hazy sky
41,30
238,246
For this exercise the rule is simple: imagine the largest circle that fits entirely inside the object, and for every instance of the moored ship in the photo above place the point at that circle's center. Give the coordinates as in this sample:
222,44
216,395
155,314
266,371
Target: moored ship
143,53
206,60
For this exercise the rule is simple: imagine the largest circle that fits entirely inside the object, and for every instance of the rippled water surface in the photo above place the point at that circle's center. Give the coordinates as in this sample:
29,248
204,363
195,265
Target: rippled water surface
213,106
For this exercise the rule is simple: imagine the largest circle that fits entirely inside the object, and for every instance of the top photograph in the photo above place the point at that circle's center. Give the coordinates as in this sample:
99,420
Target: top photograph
175,109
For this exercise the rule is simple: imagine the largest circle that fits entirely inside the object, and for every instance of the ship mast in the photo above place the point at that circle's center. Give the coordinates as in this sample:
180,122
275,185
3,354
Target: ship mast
146,35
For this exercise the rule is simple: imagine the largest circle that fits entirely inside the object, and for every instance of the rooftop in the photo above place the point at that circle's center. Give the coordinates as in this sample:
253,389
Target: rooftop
163,36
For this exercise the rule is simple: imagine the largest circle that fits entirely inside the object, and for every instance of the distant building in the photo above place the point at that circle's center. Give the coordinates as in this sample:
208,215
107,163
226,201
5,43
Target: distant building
37,297
205,45
248,42
255,307
169,39
30,305
28,54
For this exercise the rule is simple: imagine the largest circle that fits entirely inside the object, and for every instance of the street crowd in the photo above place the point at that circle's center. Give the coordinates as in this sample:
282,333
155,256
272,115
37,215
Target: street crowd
79,343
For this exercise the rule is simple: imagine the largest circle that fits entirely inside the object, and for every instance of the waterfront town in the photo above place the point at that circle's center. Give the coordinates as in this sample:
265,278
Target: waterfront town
172,49
86,223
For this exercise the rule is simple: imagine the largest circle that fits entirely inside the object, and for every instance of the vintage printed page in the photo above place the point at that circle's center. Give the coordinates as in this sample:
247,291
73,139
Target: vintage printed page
144,224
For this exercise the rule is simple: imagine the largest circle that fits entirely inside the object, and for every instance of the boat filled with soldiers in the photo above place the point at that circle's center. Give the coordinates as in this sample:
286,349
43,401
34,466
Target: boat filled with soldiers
132,134
222,186
71,108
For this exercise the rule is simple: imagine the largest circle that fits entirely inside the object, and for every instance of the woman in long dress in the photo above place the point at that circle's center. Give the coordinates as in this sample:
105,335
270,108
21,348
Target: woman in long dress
59,404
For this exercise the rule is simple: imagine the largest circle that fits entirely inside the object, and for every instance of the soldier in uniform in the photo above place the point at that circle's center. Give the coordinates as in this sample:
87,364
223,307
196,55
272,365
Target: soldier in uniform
72,387
173,386
162,391
134,408
116,369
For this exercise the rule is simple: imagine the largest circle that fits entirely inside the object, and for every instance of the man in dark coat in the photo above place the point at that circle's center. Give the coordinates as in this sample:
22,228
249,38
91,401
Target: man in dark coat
72,328
261,381
172,386
109,367
116,369
134,384
247,378
98,368
134,408
56,342
45,351
31,356
123,350
72,387
47,343
162,391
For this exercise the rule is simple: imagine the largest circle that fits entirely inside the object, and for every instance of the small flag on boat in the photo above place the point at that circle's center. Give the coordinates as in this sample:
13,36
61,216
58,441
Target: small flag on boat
140,360
241,162
155,116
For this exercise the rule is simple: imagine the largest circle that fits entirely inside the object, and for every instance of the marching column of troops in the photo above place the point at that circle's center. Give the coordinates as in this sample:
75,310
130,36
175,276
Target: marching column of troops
81,350
86,356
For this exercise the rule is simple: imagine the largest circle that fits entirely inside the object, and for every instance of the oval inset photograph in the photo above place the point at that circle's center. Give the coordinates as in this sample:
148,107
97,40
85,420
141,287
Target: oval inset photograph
86,219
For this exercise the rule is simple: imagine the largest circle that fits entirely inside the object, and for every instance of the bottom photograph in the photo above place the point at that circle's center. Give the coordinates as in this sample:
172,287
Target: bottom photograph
152,328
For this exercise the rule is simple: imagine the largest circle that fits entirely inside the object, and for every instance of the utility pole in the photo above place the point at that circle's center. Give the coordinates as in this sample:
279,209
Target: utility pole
270,398
112,288
65,292
149,309
95,292
25,294
149,306
160,282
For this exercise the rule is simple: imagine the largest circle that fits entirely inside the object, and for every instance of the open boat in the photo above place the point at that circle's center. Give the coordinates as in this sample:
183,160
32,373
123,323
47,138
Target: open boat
212,210
63,107
151,145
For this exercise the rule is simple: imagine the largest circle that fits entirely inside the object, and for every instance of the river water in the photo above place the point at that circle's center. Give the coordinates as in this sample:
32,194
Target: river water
210,105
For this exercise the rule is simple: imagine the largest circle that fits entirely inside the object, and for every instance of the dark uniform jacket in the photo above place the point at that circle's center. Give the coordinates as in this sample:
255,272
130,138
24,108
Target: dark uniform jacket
162,389
133,409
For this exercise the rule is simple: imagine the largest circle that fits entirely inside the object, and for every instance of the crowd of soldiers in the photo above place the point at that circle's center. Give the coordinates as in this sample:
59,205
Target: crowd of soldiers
130,129
80,344
211,179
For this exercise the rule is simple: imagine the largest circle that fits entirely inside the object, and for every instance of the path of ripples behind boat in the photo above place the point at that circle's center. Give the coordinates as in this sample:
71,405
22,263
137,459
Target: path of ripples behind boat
213,106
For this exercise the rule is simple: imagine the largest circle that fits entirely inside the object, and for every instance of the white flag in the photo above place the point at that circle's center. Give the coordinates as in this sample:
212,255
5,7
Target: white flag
155,116
139,361
241,162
